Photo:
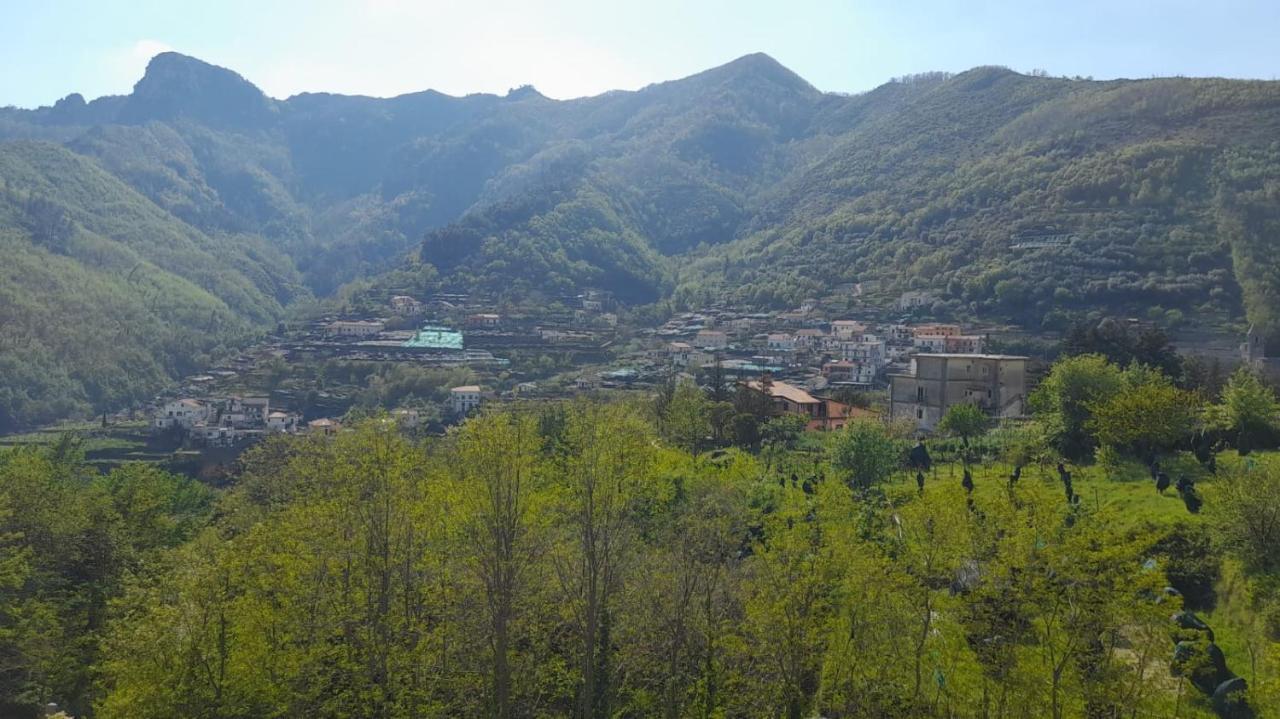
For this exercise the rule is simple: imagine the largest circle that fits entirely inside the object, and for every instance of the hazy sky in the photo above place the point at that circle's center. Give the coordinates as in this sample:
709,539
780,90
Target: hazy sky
568,48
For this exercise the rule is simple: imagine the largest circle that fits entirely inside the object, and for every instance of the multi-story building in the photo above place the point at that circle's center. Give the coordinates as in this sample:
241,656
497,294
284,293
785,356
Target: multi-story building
852,372
184,413
996,383
809,338
867,352
405,305
781,342
278,421
355,328
899,334
847,329
462,400
930,343
711,339
935,328
965,344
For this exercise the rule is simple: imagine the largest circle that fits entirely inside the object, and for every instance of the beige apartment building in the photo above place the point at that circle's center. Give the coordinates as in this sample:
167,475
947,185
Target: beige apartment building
996,383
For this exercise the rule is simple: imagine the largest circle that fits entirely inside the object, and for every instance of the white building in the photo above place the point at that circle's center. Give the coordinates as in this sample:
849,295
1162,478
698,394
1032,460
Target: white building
780,342
405,305
850,371
913,299
278,421
683,354
355,328
870,353
244,412
184,413
463,400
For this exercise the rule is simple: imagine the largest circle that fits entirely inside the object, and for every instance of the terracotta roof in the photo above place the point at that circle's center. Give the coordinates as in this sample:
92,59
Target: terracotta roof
471,388
785,391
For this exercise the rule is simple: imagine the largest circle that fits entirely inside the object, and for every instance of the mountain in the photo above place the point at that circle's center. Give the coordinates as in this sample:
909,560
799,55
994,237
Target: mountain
1030,198
105,296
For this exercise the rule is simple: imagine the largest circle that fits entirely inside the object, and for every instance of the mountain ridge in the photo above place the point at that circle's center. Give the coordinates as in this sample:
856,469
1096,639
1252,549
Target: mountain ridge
741,183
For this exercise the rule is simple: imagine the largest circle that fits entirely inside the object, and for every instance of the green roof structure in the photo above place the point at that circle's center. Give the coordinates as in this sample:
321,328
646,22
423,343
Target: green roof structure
435,338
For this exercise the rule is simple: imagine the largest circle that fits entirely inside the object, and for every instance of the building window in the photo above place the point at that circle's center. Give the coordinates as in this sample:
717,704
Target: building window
919,413
919,394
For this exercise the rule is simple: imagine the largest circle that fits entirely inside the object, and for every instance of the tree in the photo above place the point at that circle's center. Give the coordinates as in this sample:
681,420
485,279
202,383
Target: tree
686,417
965,420
865,453
1144,420
609,453
782,432
1123,346
497,464
1248,413
718,385
1244,508
1063,400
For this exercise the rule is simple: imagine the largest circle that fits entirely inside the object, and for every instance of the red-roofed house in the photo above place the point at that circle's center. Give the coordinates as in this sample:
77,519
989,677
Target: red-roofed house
822,414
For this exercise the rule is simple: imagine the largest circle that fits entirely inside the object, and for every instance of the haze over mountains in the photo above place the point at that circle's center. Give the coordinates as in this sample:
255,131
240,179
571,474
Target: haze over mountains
143,234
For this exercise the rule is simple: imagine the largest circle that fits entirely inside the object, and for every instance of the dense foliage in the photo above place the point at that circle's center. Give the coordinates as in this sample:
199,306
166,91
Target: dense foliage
562,562
105,297
592,559
684,557
1161,186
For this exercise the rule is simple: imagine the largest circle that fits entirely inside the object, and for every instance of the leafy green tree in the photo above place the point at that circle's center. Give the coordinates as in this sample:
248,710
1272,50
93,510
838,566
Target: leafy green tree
497,463
604,474
783,432
1144,420
1248,413
1244,507
1124,346
1063,402
865,453
965,420
686,417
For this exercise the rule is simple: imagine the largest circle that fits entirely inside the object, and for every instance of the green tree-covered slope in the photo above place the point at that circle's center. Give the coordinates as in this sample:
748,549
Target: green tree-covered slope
105,296
740,182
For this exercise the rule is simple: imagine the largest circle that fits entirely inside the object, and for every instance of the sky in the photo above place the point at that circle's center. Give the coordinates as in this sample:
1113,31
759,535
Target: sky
571,48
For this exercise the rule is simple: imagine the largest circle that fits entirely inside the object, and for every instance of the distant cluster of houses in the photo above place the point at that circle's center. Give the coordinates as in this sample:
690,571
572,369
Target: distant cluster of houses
843,351
225,421
928,367
232,421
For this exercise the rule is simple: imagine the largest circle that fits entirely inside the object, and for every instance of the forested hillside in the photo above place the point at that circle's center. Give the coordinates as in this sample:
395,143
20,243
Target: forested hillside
742,182
678,555
105,296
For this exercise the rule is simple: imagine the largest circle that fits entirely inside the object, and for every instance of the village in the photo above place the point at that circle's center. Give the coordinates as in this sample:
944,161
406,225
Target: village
812,361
